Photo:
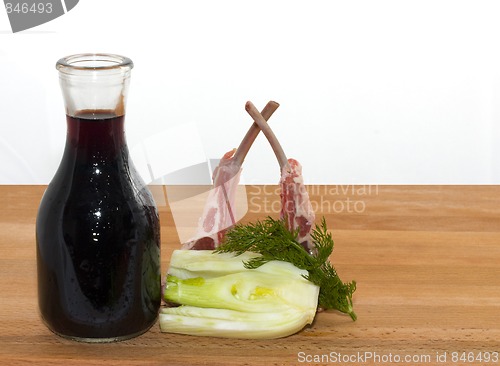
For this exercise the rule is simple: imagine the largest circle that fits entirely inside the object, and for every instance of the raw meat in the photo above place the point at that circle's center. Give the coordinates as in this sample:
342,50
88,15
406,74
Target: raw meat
296,206
218,214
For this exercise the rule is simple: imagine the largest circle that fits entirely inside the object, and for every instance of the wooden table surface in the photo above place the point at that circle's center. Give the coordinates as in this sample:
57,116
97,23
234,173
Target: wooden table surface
426,260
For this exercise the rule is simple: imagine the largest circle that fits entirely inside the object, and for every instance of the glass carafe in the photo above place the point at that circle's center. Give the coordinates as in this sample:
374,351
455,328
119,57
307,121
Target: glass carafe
97,229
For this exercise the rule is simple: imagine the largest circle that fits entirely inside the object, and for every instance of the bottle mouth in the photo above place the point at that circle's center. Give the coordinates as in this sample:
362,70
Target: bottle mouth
94,62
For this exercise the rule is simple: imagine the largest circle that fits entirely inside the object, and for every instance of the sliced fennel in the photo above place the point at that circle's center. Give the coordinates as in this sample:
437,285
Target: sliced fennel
203,263
220,297
232,324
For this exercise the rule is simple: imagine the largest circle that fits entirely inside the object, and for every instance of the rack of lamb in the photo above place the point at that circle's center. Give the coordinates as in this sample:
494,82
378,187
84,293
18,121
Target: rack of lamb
218,215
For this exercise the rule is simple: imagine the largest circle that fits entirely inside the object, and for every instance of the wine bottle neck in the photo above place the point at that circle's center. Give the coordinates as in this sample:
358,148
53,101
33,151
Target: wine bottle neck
101,137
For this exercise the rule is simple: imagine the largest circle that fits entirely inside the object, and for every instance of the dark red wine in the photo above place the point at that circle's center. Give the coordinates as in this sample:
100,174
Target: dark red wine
98,238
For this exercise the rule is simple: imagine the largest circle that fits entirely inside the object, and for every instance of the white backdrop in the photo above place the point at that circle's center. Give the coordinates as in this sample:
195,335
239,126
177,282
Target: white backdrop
371,92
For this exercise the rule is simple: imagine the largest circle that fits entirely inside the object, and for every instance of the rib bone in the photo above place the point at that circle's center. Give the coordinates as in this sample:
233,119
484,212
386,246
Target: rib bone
271,137
296,206
218,214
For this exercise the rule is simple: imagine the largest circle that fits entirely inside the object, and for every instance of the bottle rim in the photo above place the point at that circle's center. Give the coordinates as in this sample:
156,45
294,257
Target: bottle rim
94,62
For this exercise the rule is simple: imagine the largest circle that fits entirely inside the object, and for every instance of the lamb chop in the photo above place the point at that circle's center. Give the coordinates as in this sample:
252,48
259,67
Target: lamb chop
296,207
218,214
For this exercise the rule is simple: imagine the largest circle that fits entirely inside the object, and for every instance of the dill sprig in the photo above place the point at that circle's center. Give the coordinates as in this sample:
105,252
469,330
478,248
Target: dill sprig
273,241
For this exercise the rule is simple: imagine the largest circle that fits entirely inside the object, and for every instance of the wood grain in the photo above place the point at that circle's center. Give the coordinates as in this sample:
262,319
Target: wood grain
426,260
